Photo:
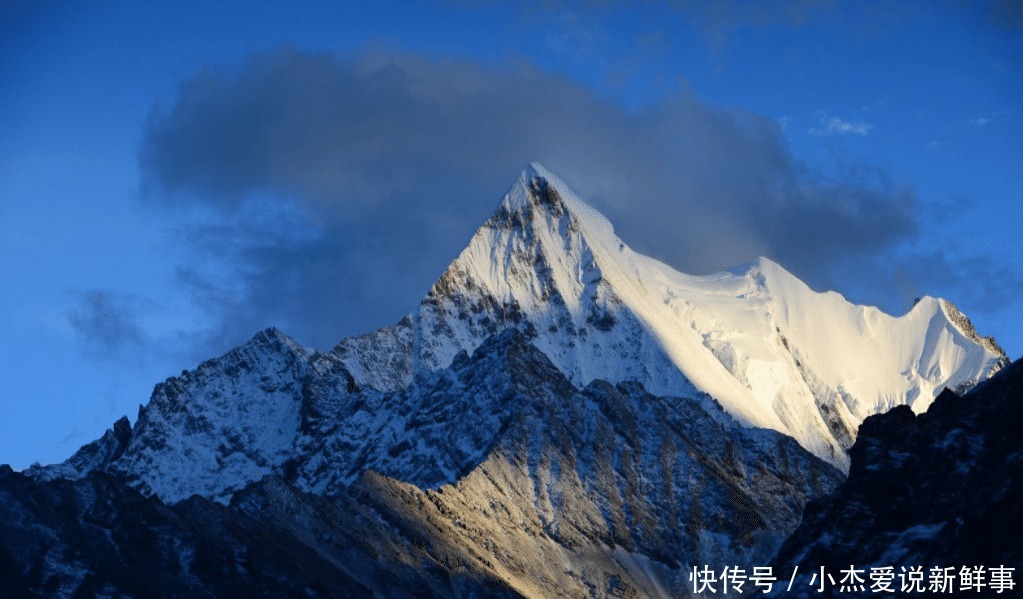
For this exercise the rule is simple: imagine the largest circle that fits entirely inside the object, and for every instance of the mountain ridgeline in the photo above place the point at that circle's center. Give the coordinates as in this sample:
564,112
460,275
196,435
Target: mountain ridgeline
560,416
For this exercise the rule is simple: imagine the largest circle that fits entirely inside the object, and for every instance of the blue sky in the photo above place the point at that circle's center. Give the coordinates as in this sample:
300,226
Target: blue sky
175,177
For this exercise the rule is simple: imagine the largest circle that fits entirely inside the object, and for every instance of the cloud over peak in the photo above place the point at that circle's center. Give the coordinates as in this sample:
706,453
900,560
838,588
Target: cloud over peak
385,163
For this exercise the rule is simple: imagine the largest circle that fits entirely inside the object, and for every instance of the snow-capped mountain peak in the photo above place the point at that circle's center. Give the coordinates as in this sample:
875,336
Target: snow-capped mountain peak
755,345
556,398
771,351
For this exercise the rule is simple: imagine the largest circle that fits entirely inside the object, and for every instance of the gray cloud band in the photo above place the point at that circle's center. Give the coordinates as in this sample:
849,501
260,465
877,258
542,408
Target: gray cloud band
384,165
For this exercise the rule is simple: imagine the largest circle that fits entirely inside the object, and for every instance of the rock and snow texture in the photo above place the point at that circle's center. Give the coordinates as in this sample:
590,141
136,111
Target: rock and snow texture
209,431
939,489
757,341
494,476
774,353
559,416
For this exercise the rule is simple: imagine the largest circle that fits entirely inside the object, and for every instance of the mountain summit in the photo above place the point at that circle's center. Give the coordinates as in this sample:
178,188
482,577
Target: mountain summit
560,416
757,340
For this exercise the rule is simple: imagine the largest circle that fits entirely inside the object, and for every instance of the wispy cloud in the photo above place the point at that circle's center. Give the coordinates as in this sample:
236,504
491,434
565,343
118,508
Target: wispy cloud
995,118
73,437
839,126
108,325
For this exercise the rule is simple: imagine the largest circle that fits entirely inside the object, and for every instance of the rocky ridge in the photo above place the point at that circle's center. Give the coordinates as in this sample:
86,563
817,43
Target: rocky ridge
518,480
939,489
559,416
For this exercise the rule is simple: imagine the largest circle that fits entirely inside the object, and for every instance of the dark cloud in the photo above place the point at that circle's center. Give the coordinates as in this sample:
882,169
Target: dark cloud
341,187
980,282
1007,13
109,325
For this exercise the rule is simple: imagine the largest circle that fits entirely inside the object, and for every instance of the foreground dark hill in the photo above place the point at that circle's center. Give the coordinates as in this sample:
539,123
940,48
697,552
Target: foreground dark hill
942,489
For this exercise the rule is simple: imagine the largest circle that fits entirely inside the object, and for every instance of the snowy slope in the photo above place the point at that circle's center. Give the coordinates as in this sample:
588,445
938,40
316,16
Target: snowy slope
770,350
209,431
757,341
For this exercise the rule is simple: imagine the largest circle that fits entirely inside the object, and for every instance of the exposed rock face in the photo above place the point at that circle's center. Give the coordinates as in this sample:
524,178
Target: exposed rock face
942,489
96,537
964,324
501,475
209,431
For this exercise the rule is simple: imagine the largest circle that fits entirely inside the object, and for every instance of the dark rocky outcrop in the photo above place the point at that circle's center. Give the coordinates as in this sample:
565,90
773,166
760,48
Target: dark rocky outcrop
942,489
